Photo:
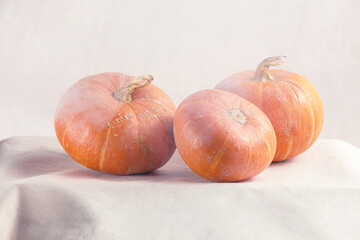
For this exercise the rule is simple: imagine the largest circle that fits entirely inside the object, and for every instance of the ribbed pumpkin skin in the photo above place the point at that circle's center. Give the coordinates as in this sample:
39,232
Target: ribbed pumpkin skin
104,134
215,146
292,104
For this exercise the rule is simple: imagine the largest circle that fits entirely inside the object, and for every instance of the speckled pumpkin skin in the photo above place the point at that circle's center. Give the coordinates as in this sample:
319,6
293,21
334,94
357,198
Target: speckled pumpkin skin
290,101
216,142
105,134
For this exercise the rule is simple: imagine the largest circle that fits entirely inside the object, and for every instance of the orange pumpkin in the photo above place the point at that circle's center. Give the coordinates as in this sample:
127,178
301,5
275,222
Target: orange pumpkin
289,100
116,123
223,137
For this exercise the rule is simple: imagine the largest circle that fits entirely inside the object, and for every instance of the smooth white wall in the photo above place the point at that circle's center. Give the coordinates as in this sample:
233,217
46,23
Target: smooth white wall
45,46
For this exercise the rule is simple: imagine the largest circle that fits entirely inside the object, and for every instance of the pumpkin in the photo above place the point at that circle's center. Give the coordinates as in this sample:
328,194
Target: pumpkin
289,100
223,137
116,123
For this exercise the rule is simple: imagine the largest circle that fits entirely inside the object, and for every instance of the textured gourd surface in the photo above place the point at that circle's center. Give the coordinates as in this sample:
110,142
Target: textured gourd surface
105,134
290,101
223,137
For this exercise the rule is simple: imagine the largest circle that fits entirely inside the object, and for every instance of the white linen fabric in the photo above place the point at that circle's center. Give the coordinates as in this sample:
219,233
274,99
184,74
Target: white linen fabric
44,194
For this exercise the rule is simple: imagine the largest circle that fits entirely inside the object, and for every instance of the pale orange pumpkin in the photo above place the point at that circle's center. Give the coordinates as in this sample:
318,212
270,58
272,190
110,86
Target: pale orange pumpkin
223,137
116,123
290,101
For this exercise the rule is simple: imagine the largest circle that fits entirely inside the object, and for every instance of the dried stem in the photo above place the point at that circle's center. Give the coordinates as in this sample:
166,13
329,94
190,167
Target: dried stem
123,94
262,71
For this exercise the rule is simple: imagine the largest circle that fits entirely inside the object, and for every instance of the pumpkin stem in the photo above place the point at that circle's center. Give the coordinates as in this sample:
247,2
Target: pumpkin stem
123,94
262,71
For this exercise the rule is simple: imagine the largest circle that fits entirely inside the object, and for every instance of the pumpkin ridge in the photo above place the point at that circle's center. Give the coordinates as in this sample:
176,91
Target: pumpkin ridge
312,111
103,150
291,140
66,128
139,131
160,120
147,108
144,150
300,123
203,130
262,134
113,86
313,119
250,149
218,156
100,85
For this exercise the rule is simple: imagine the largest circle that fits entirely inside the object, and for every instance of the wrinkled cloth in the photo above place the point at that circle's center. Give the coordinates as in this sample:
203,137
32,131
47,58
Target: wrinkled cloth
44,194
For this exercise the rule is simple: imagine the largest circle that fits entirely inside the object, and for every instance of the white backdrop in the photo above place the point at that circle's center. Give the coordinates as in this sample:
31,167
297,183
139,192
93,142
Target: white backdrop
45,46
